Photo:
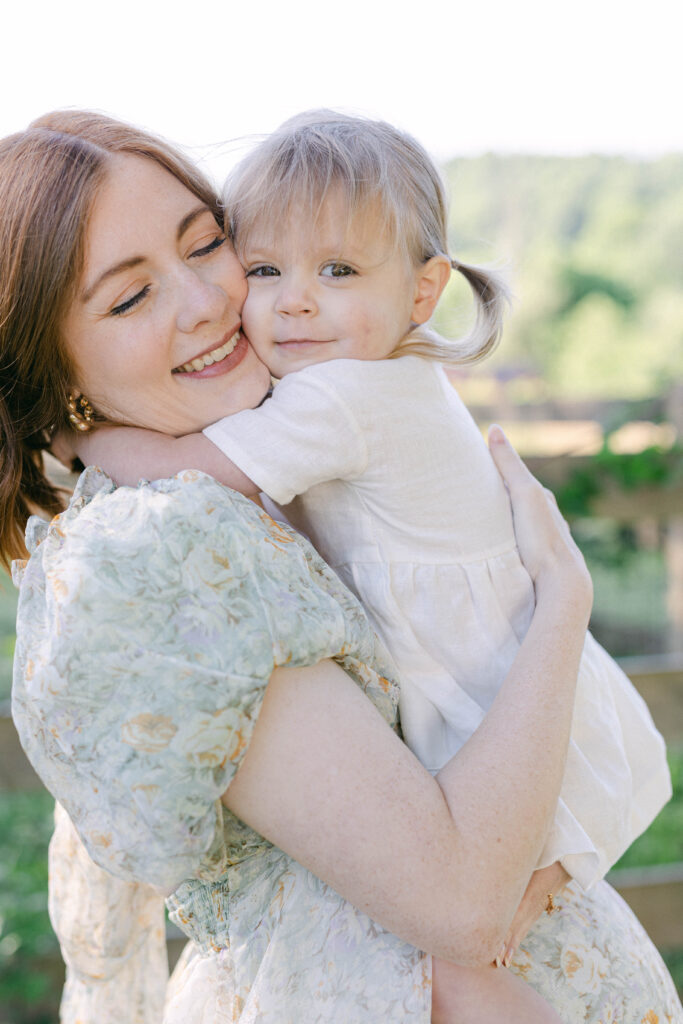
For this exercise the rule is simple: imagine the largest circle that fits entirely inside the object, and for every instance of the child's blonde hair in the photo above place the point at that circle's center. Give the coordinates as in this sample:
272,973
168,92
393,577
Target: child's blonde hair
371,162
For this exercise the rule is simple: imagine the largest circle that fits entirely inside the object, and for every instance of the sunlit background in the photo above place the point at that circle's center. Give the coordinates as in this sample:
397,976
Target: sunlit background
559,132
466,78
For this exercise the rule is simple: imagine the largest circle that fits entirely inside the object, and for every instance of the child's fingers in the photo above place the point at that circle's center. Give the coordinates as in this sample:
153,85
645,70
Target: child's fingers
500,959
508,955
61,446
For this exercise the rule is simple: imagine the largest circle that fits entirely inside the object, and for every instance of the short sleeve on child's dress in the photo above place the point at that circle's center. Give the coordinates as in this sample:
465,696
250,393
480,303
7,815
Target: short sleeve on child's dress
305,434
149,622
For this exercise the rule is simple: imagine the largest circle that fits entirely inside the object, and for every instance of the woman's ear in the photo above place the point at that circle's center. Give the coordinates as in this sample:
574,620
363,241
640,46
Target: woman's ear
431,280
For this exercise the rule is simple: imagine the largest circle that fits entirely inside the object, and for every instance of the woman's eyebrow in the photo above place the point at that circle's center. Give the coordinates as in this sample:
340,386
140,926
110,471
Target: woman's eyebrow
118,268
190,218
134,261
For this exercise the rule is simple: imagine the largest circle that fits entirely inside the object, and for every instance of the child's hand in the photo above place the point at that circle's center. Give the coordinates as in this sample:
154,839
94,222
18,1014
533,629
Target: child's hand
106,445
534,902
103,446
63,447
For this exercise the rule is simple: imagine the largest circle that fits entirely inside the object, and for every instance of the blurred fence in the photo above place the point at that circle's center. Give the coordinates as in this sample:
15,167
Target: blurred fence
616,497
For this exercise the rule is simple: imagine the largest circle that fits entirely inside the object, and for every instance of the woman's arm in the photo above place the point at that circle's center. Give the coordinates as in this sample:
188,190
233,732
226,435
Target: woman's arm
440,862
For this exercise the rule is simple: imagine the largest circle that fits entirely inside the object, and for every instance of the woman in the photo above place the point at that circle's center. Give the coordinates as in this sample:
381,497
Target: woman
191,678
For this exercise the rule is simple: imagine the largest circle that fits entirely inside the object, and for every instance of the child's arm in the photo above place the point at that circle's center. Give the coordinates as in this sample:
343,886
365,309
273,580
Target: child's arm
128,454
304,435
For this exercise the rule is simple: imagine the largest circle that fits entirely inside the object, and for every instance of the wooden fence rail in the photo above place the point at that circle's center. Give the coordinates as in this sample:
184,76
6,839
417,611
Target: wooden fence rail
661,503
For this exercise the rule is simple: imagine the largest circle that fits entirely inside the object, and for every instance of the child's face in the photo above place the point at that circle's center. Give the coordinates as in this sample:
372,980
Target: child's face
328,290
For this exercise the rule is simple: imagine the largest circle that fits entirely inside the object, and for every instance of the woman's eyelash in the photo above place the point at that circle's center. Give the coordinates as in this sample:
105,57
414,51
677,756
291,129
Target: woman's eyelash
211,247
123,307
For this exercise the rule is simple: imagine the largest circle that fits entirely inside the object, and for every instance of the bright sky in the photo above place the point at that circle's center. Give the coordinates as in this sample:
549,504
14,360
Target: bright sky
486,75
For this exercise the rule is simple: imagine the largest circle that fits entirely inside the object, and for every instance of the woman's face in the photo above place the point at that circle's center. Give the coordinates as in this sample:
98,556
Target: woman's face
153,331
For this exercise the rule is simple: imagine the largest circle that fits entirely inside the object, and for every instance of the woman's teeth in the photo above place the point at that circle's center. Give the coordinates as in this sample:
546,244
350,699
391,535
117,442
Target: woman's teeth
214,356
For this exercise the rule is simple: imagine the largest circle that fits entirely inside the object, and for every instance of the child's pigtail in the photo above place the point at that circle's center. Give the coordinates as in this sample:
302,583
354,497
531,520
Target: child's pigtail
492,298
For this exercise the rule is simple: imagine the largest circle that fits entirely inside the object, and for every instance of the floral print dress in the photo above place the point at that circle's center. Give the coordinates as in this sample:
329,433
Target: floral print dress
149,622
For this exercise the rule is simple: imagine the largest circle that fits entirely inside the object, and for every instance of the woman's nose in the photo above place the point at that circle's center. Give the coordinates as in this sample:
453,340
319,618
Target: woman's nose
199,301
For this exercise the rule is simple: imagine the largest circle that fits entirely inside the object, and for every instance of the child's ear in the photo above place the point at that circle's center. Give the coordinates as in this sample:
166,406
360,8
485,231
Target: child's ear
431,280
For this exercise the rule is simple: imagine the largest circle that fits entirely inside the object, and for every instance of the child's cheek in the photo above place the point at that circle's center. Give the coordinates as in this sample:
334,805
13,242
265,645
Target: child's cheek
255,325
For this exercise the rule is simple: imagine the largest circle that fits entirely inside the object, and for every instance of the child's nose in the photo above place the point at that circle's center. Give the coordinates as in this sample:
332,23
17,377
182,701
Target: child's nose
295,299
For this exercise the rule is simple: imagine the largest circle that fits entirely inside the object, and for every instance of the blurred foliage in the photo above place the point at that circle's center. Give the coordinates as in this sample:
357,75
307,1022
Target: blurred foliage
29,974
592,247
662,843
651,467
8,610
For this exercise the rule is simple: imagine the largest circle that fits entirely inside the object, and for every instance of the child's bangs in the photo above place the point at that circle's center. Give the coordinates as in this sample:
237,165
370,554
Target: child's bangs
298,185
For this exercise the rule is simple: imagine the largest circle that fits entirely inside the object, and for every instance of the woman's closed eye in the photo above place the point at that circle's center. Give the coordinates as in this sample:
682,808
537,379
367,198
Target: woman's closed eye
205,250
337,269
214,244
128,304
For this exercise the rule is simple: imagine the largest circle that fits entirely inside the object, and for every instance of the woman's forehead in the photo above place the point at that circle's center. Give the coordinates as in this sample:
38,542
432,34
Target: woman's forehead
138,207
136,194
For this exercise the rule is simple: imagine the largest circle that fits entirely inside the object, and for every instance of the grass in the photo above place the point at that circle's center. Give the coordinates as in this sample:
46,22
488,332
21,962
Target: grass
663,841
29,982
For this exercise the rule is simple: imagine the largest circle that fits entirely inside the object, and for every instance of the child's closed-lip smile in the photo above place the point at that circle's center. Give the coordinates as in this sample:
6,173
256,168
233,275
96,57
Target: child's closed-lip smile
297,343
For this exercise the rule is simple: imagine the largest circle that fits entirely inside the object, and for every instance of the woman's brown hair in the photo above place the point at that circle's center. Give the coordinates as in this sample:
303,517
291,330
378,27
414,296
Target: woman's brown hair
49,178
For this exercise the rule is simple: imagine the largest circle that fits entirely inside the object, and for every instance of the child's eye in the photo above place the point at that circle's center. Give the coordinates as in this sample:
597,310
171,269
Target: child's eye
265,270
124,307
337,270
216,243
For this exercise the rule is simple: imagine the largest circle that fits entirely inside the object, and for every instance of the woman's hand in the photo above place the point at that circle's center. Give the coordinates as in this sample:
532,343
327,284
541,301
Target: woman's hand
545,881
545,544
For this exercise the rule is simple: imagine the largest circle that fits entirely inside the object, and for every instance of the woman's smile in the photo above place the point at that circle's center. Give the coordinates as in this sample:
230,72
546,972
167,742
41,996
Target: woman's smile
159,305
216,357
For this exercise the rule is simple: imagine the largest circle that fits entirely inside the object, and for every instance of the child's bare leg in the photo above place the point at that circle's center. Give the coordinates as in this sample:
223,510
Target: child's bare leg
485,995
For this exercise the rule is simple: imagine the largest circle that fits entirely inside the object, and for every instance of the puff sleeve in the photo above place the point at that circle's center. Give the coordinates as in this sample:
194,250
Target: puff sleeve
149,623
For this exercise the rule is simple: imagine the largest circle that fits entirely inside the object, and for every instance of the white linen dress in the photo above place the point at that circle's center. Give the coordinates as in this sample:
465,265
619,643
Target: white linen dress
381,465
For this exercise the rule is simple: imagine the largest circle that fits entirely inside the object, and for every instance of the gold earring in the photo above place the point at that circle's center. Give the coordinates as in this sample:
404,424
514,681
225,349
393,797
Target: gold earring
81,412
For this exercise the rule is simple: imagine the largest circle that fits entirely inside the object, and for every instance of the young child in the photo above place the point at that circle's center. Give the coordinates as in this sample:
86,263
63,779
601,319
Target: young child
340,224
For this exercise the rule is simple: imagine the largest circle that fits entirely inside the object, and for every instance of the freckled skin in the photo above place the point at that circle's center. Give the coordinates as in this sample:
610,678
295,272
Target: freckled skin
301,312
182,298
